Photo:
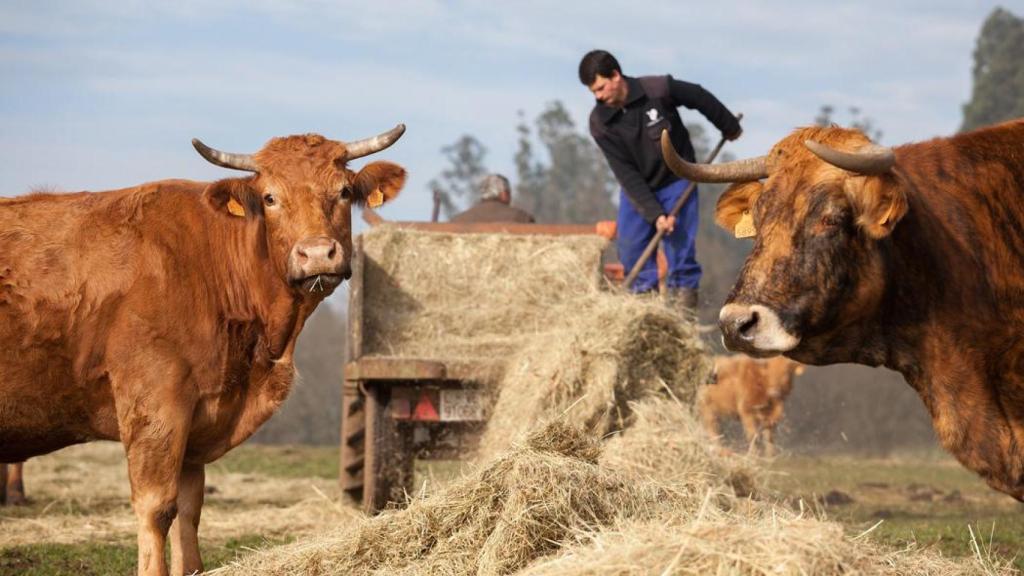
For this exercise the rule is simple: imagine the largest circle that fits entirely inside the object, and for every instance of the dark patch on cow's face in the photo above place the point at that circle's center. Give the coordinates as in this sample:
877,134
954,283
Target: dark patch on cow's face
804,261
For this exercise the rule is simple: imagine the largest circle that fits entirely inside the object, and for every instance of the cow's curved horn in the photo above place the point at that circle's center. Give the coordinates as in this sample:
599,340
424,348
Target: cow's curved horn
225,159
869,160
744,170
368,146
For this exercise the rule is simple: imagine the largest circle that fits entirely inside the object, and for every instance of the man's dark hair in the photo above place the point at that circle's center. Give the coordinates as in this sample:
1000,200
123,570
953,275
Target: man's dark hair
597,62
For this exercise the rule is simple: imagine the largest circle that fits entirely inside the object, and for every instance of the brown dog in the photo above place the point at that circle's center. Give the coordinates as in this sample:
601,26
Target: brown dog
753,390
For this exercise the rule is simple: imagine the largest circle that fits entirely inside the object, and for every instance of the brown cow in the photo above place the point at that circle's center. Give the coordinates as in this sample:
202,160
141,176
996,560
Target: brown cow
165,315
752,390
911,258
12,484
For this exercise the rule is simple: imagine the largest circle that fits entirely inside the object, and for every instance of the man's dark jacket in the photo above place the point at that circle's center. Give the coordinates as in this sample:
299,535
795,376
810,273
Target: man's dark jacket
492,210
630,137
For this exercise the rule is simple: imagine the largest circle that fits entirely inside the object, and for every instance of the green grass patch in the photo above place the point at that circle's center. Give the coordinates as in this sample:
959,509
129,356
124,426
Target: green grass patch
929,500
281,461
107,559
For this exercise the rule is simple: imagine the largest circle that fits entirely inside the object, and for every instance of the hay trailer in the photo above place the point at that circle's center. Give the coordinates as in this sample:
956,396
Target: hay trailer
397,408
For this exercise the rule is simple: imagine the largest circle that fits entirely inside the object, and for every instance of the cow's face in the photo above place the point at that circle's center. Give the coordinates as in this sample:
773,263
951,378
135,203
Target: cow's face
302,196
816,264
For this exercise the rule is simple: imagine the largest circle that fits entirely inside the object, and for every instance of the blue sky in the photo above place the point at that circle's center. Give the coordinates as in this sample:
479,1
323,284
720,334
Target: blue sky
98,95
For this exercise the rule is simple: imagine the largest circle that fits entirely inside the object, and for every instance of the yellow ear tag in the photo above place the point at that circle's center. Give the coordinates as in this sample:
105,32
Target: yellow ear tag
235,208
745,227
376,198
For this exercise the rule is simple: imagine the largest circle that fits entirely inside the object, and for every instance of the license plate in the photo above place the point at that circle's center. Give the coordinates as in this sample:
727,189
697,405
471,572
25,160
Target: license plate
461,405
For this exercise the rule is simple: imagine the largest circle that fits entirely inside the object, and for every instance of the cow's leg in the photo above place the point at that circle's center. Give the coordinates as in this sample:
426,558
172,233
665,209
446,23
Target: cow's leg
708,417
154,402
766,438
3,484
770,422
750,427
185,530
154,431
15,484
154,466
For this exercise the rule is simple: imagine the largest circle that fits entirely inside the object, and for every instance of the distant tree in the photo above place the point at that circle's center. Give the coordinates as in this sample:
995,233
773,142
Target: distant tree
862,123
575,185
530,173
459,183
998,72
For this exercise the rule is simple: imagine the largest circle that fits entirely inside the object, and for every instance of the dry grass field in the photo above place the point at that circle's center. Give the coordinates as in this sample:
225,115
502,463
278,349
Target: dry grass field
79,520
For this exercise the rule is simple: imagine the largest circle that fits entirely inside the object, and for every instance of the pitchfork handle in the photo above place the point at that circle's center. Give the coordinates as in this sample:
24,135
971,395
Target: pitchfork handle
652,246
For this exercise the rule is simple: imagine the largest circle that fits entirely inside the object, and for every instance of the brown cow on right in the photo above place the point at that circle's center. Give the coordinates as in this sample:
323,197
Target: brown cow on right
911,258
752,390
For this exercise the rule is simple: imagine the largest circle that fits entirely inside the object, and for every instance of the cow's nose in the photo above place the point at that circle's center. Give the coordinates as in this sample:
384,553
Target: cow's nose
319,250
738,321
315,257
739,325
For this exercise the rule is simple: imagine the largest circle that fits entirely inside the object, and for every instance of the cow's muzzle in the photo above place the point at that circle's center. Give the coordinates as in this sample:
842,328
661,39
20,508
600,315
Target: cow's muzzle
755,330
318,265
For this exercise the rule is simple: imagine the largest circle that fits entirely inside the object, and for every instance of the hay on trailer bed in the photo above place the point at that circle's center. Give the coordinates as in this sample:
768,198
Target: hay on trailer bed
468,296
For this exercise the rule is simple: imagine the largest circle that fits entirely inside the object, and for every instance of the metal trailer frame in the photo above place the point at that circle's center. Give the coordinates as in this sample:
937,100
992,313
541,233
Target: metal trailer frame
376,455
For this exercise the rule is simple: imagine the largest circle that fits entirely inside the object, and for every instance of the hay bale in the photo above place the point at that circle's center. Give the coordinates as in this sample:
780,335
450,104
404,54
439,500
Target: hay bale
469,296
601,352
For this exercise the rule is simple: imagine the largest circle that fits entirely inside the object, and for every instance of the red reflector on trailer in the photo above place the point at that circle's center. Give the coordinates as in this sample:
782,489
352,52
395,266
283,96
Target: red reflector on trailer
425,409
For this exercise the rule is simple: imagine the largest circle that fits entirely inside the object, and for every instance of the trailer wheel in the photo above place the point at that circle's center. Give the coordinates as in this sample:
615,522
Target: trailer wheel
388,463
353,440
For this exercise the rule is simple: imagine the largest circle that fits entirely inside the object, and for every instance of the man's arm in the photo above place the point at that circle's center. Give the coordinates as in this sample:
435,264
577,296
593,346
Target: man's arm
695,97
636,188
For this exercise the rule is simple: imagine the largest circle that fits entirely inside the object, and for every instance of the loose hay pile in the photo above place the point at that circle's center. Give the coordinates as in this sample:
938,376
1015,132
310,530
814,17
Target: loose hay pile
772,541
611,475
606,351
521,506
558,505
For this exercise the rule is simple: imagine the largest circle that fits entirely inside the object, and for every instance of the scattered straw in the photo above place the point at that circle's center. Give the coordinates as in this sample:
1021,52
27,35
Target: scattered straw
81,494
600,353
522,505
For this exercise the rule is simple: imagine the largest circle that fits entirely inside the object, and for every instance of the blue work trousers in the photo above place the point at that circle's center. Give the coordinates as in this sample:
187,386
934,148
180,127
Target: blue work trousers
634,233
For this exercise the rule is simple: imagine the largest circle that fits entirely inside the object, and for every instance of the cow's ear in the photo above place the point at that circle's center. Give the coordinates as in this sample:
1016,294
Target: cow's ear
377,183
232,197
879,202
735,202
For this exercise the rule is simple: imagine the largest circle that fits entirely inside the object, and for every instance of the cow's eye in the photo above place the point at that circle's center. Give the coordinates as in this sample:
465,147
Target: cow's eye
269,199
346,193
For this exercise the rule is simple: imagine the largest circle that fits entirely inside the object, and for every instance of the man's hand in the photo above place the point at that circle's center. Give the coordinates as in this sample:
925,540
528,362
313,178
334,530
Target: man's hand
665,223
